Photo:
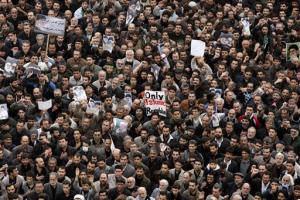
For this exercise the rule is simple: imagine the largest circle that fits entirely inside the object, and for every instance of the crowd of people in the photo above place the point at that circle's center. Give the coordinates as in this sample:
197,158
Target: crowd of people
231,129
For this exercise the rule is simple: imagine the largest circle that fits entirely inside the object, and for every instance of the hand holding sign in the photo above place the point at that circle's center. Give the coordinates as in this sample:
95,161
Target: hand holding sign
197,48
246,26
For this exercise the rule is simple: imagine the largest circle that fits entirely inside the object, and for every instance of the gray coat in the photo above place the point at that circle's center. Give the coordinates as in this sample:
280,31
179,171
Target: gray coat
18,185
58,191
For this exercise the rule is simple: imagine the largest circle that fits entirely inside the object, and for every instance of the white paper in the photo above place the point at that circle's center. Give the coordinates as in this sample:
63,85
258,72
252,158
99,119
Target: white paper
44,105
120,126
108,43
197,48
3,111
133,8
155,101
10,66
92,108
79,93
246,26
50,25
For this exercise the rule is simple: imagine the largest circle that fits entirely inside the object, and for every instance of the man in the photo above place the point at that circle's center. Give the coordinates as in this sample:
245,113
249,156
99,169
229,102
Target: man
166,137
142,194
163,187
77,78
40,171
53,189
67,193
64,150
102,183
231,165
76,59
222,142
10,191
113,177
141,179
101,82
24,146
245,192
262,185
38,189
142,139
119,189
192,192
128,169
152,124
12,178
61,172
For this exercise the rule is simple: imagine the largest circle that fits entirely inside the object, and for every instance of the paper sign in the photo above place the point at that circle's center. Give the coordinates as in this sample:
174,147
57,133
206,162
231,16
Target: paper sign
120,126
3,111
246,26
50,25
155,101
44,105
10,66
133,8
92,107
32,69
108,43
197,48
128,98
226,39
292,50
79,93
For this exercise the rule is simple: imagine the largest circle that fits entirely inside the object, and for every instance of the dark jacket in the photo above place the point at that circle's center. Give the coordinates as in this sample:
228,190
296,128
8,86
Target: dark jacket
53,193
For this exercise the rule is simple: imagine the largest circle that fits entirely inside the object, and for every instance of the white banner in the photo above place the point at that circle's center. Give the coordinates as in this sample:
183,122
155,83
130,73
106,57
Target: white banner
155,101
50,25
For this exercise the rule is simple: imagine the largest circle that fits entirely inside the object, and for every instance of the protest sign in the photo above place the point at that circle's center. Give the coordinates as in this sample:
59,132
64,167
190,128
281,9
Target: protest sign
92,107
128,98
120,127
10,66
3,111
155,101
226,39
32,69
50,25
108,43
79,93
197,48
246,26
133,8
292,50
44,105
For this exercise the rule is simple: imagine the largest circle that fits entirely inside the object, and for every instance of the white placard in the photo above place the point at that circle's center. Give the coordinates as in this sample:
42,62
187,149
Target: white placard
50,25
197,48
155,101
108,43
246,26
120,126
79,93
133,8
44,105
92,107
10,66
3,111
